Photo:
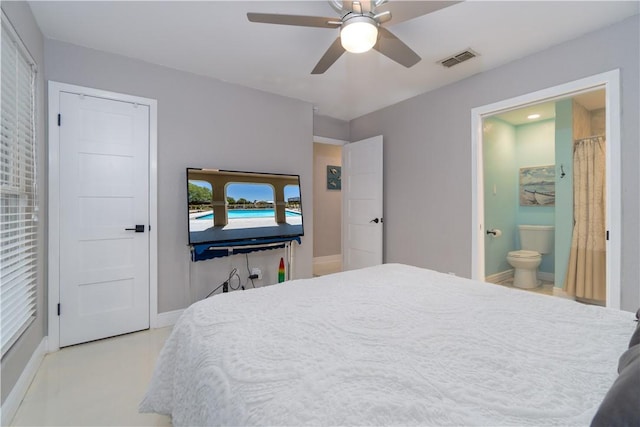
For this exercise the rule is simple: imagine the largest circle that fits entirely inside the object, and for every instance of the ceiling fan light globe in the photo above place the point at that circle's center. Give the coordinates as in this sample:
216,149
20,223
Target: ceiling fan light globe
358,36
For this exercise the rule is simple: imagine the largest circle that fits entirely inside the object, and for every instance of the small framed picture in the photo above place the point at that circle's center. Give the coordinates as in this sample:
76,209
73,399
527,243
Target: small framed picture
538,186
334,177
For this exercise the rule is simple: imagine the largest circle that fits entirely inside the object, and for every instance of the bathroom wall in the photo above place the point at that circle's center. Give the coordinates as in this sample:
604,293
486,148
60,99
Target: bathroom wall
508,148
598,122
535,146
327,204
501,192
564,188
581,122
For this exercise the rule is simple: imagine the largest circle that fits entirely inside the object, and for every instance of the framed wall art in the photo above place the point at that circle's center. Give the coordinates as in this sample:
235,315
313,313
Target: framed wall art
538,186
334,177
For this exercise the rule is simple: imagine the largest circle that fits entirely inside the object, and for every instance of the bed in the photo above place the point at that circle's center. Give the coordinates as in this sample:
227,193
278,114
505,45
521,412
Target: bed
388,345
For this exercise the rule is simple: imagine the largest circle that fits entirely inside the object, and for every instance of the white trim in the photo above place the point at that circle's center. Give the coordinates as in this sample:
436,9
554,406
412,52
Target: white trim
500,277
609,80
13,400
508,274
546,276
327,264
614,192
153,213
53,256
55,88
331,141
168,318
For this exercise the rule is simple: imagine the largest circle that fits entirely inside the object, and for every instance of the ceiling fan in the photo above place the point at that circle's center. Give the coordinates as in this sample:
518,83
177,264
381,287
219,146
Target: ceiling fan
361,29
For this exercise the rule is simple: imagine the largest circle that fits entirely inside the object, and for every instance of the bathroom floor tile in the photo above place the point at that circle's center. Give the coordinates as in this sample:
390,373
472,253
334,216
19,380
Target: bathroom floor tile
546,288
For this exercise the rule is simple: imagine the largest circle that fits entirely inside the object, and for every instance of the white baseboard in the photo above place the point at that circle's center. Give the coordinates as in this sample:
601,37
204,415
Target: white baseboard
168,318
13,400
547,277
508,274
327,264
500,277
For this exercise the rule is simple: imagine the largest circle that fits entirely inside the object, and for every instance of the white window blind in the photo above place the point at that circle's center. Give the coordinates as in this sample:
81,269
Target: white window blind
19,201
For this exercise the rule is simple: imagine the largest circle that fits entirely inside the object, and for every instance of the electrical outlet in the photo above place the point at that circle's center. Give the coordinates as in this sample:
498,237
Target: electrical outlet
256,272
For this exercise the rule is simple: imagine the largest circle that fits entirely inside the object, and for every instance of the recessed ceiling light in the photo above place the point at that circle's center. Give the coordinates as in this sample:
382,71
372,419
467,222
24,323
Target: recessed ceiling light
533,116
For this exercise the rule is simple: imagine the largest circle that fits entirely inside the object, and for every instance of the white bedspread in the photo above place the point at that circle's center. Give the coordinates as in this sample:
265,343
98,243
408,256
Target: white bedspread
388,345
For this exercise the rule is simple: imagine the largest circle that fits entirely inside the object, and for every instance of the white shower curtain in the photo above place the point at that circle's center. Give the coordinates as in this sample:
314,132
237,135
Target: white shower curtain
586,274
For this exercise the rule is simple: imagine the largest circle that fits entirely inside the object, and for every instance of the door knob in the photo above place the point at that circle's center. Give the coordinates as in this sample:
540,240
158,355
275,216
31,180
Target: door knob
376,220
139,228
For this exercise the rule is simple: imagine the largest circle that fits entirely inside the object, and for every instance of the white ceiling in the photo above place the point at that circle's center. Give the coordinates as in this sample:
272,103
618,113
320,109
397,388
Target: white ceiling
214,38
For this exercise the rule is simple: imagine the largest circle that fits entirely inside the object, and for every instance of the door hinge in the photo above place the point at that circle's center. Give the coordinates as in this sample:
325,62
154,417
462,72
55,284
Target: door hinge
607,234
59,119
58,309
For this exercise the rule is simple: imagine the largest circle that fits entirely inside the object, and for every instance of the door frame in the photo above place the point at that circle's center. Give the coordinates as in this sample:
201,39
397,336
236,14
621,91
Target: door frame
53,215
610,81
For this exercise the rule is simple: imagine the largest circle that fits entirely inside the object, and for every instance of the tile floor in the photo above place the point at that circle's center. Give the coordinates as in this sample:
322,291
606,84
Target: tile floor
95,384
545,288
322,270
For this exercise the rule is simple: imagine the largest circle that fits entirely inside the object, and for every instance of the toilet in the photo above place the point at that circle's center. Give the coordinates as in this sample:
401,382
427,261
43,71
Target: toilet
535,241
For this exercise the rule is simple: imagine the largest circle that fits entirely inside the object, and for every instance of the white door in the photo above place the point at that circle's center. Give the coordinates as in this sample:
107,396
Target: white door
104,194
362,221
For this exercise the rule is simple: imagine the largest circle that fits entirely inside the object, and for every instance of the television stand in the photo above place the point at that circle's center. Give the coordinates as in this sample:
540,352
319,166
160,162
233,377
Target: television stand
202,252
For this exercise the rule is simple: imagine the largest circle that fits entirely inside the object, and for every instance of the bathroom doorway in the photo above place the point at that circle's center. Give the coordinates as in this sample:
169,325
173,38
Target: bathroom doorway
534,136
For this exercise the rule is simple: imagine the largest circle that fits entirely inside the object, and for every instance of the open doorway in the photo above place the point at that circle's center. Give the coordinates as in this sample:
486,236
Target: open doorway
528,163
327,206
564,99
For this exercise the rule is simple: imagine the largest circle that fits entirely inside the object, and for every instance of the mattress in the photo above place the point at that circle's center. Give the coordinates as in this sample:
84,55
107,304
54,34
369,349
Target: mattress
387,345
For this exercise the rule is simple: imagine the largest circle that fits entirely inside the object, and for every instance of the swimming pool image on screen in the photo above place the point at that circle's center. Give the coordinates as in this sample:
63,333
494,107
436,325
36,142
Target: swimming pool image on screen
251,213
227,206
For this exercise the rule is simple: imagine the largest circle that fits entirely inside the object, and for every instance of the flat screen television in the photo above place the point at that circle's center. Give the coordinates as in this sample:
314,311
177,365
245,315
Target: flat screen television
232,206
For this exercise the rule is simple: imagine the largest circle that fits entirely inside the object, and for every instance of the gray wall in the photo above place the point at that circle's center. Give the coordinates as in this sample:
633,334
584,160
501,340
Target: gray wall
427,151
329,127
15,360
202,122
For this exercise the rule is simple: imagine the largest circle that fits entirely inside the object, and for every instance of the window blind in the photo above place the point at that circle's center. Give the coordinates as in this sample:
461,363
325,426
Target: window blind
18,192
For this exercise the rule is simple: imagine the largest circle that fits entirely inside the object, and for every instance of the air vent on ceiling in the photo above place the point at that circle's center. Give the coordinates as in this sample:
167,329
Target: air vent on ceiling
458,58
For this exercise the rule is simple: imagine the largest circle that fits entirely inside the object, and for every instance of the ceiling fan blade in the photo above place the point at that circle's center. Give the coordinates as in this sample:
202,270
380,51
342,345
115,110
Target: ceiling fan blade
330,56
298,20
405,10
392,47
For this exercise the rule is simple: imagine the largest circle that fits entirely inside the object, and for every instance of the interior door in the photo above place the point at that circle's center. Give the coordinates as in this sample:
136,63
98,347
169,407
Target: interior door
362,221
104,217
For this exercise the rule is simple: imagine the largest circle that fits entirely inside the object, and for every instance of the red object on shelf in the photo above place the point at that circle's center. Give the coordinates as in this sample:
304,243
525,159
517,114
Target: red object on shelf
281,271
